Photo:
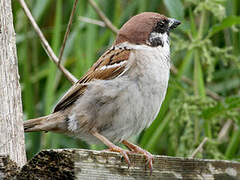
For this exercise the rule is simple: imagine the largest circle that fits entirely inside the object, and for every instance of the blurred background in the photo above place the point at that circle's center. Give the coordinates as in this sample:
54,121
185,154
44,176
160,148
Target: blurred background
203,98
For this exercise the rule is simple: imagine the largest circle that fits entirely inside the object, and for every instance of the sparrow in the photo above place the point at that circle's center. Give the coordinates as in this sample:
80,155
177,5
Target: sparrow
121,94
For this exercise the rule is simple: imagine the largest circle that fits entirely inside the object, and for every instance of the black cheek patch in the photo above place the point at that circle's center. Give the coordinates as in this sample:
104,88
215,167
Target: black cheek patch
159,29
157,41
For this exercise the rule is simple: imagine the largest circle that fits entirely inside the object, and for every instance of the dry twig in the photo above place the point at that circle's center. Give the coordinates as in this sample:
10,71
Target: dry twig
225,129
199,148
45,44
92,21
103,17
67,31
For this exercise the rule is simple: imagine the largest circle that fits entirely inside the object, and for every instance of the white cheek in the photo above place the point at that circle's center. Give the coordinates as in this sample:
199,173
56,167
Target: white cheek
164,37
166,44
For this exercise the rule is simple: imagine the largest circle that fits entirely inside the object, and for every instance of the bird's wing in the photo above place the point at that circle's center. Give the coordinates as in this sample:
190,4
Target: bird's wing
110,65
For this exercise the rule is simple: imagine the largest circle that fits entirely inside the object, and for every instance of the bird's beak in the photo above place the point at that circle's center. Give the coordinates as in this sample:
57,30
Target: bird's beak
173,23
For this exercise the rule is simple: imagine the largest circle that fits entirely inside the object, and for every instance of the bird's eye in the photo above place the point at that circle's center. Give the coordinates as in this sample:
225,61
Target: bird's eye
165,21
160,24
160,27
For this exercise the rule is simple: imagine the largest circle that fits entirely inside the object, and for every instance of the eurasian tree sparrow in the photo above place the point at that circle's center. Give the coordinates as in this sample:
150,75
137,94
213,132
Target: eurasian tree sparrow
121,94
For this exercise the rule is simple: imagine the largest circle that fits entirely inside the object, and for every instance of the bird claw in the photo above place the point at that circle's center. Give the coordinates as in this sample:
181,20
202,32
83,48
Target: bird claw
137,149
149,161
123,152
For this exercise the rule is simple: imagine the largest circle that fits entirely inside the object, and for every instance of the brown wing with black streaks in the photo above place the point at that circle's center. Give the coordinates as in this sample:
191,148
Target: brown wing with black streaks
110,65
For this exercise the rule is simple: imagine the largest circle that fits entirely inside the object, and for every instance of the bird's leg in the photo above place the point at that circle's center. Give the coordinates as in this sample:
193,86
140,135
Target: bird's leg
113,147
137,149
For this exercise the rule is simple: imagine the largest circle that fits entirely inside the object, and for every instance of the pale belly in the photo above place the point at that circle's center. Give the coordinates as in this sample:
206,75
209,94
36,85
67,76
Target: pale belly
120,108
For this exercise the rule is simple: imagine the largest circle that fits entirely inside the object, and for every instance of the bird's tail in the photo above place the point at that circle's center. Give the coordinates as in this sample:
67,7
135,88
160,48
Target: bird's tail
54,122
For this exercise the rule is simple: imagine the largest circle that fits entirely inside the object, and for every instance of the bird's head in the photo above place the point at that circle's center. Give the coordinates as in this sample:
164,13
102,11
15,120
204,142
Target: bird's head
147,28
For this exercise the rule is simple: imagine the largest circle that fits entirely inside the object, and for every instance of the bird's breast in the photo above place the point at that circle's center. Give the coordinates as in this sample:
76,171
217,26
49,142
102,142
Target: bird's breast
152,75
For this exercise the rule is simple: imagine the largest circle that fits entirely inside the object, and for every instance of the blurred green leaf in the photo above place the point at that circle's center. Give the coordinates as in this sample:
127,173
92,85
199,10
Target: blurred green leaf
226,23
175,8
233,145
40,8
221,107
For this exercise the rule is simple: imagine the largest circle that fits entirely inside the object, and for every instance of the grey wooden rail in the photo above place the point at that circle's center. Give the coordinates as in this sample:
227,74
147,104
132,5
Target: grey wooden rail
88,164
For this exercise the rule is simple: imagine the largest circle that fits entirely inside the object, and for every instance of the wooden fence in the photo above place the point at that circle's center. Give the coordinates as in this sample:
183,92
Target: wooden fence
88,164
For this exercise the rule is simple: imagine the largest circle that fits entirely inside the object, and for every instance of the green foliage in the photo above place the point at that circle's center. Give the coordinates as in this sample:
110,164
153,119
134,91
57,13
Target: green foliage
205,49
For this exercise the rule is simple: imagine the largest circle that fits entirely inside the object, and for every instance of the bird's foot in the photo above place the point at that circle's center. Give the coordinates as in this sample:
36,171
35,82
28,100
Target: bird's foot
137,149
113,147
124,153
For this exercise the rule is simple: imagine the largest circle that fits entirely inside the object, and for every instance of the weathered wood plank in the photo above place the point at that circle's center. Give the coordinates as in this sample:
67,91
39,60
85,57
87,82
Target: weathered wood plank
88,164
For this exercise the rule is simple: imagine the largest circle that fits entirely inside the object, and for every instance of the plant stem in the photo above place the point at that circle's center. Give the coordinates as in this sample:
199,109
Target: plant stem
233,145
202,24
199,87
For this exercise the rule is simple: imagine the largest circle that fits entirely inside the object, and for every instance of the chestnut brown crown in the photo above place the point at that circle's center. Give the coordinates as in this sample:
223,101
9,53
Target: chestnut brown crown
138,29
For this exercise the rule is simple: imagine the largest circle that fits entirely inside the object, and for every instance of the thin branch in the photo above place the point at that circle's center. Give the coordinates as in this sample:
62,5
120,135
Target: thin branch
213,95
225,129
45,44
67,31
92,21
103,17
199,148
